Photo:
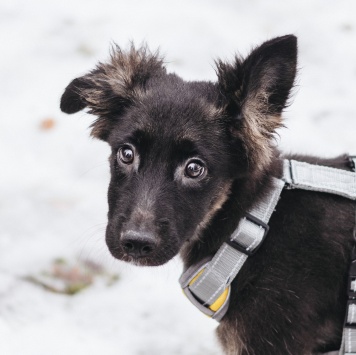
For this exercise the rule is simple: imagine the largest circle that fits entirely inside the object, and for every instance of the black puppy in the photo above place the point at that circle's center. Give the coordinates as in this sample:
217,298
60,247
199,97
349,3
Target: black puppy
189,159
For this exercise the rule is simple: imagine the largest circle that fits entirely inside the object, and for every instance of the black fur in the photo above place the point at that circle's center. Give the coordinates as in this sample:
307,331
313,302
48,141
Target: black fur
290,297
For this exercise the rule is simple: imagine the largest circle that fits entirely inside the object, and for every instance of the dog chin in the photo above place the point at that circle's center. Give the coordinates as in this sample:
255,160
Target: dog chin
140,261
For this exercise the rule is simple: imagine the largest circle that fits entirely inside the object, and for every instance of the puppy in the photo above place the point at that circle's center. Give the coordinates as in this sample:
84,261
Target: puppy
189,159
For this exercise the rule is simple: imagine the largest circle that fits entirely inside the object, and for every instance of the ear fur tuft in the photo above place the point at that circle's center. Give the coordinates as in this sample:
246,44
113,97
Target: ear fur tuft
110,88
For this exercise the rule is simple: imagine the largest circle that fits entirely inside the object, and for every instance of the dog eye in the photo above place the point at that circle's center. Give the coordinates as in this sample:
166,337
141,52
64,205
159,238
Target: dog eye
194,169
126,154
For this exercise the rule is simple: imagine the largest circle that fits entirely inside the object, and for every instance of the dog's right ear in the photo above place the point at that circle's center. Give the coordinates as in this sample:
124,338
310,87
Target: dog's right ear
112,87
255,92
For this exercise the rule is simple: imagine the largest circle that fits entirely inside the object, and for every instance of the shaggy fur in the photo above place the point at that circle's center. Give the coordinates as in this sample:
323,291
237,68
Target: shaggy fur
189,159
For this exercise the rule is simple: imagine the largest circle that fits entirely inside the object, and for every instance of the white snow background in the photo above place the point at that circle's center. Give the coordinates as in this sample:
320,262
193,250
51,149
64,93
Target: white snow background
53,182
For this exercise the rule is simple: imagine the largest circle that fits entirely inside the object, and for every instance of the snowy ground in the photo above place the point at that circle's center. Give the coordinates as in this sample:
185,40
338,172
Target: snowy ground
53,178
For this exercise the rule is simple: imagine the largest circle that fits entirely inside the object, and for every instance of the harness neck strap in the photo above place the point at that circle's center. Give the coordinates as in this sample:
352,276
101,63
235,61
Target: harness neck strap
205,284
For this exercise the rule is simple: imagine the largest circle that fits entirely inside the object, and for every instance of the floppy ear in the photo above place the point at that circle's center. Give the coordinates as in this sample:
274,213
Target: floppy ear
255,92
72,101
112,87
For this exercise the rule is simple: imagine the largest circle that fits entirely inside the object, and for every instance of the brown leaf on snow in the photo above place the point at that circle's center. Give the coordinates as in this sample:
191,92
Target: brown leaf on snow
47,124
71,278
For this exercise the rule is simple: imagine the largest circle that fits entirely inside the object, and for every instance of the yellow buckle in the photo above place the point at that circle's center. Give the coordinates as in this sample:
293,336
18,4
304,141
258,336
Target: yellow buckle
211,311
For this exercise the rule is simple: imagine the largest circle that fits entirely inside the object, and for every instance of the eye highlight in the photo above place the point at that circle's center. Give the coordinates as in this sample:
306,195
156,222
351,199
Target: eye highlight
194,169
126,154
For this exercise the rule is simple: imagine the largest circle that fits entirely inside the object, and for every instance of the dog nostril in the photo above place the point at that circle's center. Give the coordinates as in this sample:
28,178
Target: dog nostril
146,250
128,246
138,244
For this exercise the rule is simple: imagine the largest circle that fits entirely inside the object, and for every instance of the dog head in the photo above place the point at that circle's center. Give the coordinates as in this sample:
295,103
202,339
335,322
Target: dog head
177,147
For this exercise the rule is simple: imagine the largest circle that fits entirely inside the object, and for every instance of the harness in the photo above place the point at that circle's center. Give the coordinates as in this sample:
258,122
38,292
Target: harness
207,284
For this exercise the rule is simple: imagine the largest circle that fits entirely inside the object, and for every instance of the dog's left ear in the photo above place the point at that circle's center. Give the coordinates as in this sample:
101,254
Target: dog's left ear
112,87
255,92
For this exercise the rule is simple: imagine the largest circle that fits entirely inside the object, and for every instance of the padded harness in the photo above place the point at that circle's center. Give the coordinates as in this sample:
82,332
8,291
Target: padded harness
207,284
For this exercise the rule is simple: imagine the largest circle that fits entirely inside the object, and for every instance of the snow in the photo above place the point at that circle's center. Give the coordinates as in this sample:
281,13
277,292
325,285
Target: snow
53,181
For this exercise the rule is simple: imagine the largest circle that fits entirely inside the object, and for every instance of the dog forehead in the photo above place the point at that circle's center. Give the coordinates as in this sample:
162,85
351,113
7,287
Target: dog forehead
182,131
175,111
180,114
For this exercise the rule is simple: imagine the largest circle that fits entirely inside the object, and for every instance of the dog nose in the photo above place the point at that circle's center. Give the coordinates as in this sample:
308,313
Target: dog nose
138,244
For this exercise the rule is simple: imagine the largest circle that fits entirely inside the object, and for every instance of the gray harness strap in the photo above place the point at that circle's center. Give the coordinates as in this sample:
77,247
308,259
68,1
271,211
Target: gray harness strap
319,178
348,344
206,282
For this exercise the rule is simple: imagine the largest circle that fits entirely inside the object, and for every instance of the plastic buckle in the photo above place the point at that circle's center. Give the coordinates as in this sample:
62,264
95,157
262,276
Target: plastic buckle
346,324
352,160
352,278
350,290
214,314
288,172
234,244
208,312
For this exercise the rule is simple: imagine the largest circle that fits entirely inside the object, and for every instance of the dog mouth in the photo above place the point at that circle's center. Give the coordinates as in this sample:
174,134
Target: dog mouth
141,261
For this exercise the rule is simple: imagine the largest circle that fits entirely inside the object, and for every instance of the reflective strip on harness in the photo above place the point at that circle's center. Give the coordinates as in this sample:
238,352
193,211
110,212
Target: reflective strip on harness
349,334
306,176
